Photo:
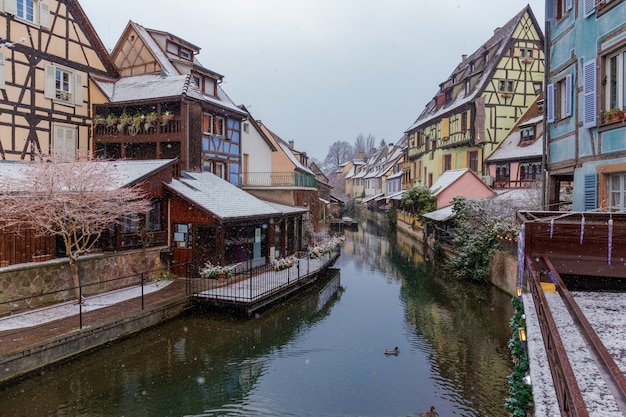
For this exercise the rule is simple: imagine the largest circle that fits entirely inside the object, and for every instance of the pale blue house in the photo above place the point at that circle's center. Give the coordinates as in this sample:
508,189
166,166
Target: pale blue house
586,83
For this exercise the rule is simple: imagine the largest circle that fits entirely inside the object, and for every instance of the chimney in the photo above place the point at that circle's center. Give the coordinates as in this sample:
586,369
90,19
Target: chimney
463,57
361,155
291,143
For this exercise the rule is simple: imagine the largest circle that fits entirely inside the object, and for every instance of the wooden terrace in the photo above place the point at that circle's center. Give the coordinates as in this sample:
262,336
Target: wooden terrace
248,290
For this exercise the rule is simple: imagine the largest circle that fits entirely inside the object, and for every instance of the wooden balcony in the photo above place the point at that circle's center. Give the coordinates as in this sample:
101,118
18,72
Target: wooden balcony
157,131
278,180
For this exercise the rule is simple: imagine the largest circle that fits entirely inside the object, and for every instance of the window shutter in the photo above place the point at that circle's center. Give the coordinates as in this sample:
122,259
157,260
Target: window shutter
10,6
590,7
568,95
589,94
78,89
591,192
551,10
568,5
2,72
550,99
64,143
44,15
50,86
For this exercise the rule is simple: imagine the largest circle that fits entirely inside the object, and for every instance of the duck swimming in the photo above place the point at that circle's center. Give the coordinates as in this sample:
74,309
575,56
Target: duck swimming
431,413
393,351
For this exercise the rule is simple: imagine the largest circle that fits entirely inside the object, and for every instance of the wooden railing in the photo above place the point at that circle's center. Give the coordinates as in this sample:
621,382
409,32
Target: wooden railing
172,127
566,387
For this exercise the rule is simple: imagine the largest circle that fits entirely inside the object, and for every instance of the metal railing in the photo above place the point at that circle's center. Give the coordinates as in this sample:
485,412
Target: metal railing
248,285
278,179
66,297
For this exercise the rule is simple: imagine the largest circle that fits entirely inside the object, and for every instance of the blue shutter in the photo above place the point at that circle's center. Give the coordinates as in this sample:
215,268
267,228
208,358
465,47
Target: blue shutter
590,7
550,99
589,94
591,192
568,95
568,5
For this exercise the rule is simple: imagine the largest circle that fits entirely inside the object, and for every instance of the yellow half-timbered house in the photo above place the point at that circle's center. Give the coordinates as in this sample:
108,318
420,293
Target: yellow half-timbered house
48,52
476,107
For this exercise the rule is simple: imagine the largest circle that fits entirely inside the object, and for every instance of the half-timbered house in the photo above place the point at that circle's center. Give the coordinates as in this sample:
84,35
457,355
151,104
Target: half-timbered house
479,103
48,53
167,105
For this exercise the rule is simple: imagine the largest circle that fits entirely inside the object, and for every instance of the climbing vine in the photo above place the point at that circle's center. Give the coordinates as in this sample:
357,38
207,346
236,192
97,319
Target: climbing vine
520,394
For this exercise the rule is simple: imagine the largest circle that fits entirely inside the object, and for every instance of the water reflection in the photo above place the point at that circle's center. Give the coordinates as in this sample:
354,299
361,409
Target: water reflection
320,353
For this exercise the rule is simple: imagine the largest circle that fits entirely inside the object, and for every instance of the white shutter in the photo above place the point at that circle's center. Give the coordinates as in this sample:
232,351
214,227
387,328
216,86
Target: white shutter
590,7
589,93
550,100
78,89
550,10
10,6
44,15
64,143
568,95
2,72
50,86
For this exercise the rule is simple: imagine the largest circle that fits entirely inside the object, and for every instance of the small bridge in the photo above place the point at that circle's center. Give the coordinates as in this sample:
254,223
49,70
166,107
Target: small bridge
254,288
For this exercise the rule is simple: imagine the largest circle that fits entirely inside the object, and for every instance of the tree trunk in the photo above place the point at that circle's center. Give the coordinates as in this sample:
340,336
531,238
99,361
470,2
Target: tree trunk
75,278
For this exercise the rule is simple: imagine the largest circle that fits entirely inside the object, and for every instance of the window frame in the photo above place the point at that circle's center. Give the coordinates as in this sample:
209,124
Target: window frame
619,85
620,192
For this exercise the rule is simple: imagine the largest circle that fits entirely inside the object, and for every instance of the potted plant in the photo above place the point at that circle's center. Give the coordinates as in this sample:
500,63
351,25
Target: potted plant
614,114
150,120
125,120
112,119
221,273
166,117
99,119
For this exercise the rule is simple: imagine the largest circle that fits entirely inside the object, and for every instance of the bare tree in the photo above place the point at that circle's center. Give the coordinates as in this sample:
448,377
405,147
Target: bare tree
338,153
364,144
75,201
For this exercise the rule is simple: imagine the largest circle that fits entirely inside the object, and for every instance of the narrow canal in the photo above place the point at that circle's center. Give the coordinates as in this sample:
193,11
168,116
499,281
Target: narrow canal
319,354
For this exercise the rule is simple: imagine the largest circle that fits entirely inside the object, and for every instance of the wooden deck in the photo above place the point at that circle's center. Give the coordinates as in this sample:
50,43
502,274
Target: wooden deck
248,291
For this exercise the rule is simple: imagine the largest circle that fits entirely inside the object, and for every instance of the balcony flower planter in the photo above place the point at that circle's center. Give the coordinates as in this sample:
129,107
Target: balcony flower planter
166,117
614,115
221,273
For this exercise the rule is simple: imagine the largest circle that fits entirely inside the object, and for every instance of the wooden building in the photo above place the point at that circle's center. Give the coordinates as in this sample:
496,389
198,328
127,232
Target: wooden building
49,51
167,105
235,229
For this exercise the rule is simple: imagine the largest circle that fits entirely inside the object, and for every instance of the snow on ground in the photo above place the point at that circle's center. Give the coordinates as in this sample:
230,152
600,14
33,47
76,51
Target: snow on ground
544,395
58,311
606,311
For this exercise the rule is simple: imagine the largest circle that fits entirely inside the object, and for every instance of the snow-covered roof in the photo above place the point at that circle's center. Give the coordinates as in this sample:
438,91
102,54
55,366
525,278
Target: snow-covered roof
219,197
286,209
446,179
126,172
441,215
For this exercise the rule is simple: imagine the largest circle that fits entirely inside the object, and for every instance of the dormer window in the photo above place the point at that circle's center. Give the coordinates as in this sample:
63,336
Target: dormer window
449,96
527,134
179,51
197,81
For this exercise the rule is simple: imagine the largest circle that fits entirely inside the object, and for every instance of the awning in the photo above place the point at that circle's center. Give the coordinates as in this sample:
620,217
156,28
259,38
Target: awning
441,215
372,198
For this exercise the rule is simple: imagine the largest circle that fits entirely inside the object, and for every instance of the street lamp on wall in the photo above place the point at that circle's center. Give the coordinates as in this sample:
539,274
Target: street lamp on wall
521,333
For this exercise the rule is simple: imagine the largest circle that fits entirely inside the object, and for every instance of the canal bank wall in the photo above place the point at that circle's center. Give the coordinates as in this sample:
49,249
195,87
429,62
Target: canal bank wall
27,350
503,266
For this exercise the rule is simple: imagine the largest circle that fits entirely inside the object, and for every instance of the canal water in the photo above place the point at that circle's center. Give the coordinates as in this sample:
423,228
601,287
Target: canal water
321,353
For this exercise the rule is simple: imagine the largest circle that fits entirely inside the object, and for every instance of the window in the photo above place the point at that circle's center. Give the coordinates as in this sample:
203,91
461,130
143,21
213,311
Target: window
527,134
218,126
530,171
153,218
525,53
506,86
615,86
246,127
472,162
63,85
447,162
180,51
617,192
207,123
130,224
64,143
197,81
502,173
559,96
464,121
34,12
26,10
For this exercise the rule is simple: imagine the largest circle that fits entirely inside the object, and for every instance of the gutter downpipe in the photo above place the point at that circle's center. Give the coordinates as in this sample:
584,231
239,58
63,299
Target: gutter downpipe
546,78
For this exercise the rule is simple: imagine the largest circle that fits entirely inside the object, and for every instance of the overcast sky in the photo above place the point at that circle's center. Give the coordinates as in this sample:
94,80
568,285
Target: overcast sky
319,71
